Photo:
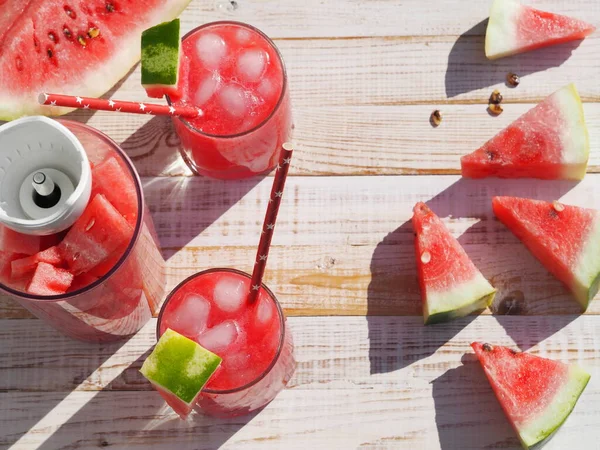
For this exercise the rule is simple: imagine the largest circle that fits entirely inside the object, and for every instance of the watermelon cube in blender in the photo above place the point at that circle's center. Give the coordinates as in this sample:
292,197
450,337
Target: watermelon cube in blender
236,75
101,276
255,345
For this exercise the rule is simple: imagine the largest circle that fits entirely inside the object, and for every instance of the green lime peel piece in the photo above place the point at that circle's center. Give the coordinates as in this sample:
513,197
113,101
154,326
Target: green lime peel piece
160,55
180,366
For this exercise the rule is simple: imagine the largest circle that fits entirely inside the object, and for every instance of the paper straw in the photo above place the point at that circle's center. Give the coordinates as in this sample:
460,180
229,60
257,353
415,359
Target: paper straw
72,101
270,217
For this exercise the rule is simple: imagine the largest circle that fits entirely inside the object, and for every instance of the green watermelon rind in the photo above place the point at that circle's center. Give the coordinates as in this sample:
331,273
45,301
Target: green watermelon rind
99,81
464,299
161,47
500,29
587,272
577,141
534,434
180,366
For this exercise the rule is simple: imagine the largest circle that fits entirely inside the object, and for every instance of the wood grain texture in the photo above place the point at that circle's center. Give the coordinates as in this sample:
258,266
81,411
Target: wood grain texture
357,140
378,383
344,245
332,352
397,70
344,18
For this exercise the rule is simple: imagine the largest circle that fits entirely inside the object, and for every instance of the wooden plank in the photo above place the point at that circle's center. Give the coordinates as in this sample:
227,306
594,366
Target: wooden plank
344,245
332,352
357,140
314,18
381,383
414,70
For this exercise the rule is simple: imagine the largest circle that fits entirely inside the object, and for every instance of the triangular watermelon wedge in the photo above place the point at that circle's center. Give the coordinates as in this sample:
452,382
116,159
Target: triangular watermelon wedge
178,368
536,394
566,240
514,28
451,285
77,47
548,142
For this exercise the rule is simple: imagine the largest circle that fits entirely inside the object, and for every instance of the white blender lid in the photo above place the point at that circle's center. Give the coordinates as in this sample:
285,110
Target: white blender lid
41,148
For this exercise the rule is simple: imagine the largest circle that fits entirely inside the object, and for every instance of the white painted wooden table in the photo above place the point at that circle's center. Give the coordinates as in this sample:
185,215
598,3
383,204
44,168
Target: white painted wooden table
364,77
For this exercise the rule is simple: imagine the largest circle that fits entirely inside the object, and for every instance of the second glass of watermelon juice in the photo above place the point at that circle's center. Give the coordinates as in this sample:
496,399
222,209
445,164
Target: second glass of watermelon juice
252,339
236,75
102,279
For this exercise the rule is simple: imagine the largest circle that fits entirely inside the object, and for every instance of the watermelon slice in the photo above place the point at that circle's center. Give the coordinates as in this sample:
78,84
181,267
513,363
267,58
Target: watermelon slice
549,141
536,394
77,47
15,242
116,184
451,285
49,280
515,28
566,240
178,369
160,59
23,266
98,232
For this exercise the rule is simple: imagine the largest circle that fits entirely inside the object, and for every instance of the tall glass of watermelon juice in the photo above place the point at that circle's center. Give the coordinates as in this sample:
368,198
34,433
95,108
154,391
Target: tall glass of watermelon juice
101,279
211,308
236,75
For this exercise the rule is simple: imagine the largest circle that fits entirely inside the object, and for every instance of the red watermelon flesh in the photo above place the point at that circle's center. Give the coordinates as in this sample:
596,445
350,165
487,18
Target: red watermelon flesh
49,280
536,394
549,141
114,182
14,242
23,266
566,240
515,28
451,285
94,237
81,281
79,47
6,259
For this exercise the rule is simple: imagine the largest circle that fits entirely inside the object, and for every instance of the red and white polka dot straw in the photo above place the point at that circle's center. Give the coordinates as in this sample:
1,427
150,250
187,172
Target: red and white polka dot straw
72,101
269,223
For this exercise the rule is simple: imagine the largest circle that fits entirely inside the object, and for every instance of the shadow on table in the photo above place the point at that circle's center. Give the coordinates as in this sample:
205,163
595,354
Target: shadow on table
467,413
55,370
128,413
394,289
183,207
469,70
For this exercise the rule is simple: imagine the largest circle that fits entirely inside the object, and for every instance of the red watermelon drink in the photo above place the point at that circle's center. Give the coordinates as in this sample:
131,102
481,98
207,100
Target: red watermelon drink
101,279
236,75
257,350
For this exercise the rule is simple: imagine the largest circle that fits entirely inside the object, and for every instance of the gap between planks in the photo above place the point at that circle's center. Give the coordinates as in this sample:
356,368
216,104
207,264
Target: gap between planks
347,248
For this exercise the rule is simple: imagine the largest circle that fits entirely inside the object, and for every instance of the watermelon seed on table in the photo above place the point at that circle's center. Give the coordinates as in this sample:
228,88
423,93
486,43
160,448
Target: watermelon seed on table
512,79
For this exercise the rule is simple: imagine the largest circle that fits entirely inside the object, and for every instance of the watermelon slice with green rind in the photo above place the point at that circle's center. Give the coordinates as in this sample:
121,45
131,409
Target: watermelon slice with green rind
178,369
451,285
77,47
515,28
566,240
536,394
161,47
549,141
